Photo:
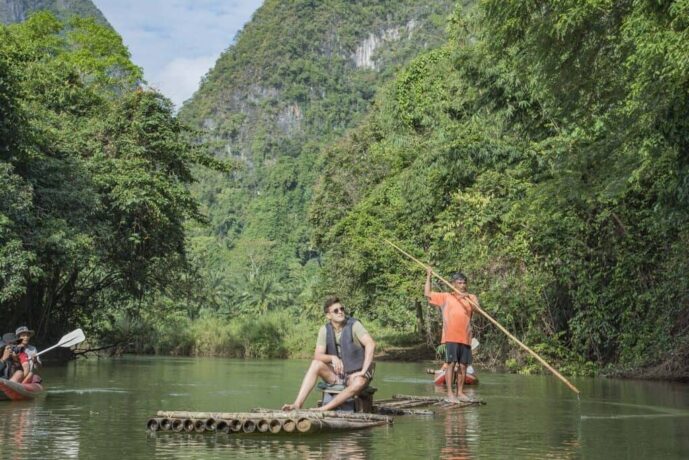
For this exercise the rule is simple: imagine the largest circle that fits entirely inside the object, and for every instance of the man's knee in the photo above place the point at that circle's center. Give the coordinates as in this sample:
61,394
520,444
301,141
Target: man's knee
316,364
358,384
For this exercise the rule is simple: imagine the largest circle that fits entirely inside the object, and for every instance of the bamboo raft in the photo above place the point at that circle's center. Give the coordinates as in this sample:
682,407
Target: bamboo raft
270,421
263,421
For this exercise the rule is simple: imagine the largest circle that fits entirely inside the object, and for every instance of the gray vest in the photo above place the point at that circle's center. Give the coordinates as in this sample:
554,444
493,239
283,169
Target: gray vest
352,354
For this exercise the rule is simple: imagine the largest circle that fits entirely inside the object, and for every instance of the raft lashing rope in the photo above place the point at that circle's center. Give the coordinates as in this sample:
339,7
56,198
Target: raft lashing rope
263,422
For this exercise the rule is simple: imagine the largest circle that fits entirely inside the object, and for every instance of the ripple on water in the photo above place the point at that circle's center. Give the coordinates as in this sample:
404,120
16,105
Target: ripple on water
83,391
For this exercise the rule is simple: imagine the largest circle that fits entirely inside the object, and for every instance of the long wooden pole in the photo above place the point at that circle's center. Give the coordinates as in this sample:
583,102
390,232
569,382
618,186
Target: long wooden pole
489,318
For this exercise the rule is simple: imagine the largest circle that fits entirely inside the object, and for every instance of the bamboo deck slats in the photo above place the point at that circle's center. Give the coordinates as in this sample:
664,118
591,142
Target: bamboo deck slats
271,421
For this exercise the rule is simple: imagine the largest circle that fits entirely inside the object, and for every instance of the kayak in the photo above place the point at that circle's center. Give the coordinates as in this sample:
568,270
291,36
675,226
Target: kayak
20,391
439,377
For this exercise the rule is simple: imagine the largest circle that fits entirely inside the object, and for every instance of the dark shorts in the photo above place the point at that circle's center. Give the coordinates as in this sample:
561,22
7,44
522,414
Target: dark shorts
457,353
368,375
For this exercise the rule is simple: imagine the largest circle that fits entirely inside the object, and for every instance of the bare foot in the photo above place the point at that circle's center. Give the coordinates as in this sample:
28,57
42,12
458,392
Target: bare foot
464,398
290,407
452,399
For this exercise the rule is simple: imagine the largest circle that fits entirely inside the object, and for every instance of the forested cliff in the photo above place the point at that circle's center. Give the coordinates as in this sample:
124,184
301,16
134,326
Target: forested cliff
13,11
544,151
298,76
541,148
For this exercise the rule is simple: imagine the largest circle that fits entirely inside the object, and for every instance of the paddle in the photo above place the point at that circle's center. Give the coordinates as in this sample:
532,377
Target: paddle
73,338
490,318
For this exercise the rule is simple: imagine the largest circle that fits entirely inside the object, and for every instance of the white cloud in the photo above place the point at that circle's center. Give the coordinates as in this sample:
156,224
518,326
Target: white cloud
180,78
164,36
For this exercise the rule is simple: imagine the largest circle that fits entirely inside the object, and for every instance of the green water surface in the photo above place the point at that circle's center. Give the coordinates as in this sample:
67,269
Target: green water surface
97,409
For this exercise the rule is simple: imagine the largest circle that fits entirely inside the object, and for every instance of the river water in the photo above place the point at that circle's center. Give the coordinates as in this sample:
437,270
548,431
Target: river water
97,409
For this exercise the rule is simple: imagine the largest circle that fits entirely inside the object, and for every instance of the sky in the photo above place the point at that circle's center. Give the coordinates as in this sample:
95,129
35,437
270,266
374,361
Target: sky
177,41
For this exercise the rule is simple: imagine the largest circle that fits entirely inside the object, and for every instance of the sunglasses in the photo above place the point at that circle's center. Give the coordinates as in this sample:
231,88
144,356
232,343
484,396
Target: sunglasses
337,310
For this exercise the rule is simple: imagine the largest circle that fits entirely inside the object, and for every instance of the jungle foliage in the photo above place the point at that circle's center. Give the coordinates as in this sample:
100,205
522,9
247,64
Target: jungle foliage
540,147
544,151
289,85
13,11
94,175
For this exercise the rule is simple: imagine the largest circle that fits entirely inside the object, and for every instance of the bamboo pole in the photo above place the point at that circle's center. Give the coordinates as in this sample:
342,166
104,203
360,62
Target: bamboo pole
394,410
222,426
398,397
270,413
400,404
188,425
235,425
321,414
490,318
199,426
166,424
153,424
342,424
211,424
275,426
305,423
426,400
177,425
289,425
262,425
249,426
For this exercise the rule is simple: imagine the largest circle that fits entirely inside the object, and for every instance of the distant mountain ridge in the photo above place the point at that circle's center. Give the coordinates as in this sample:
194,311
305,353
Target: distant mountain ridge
297,77
13,11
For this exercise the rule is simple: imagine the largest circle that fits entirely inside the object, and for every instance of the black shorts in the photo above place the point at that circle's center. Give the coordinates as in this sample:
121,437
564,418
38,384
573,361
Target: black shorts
457,353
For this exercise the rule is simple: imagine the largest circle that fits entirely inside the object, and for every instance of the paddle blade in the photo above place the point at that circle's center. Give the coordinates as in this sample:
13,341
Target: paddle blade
474,343
73,338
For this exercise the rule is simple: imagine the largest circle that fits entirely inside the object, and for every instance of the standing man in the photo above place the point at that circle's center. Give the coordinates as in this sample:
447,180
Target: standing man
343,355
456,309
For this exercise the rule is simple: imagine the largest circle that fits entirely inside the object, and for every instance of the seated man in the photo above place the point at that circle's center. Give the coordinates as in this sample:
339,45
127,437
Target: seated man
344,354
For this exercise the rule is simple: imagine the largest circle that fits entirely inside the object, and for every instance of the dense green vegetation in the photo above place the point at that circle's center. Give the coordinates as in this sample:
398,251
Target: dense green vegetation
542,150
13,11
289,86
93,180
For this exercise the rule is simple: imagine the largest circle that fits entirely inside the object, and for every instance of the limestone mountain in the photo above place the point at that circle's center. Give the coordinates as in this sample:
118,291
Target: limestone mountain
13,11
296,78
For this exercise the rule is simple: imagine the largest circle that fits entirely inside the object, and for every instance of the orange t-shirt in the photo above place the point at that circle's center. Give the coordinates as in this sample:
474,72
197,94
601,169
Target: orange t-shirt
456,316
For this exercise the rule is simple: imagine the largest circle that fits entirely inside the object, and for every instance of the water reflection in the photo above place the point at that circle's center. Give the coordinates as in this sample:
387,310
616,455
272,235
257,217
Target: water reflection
98,409
21,426
354,446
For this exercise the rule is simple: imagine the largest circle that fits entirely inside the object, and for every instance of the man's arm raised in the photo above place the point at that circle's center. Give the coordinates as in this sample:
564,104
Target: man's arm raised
434,298
427,286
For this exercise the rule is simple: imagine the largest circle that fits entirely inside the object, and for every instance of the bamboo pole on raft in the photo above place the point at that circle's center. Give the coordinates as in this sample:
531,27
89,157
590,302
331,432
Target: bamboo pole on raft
489,318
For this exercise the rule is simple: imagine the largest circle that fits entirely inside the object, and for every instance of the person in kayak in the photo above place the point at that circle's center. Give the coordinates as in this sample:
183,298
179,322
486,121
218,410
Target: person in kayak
9,362
456,310
343,355
6,359
27,357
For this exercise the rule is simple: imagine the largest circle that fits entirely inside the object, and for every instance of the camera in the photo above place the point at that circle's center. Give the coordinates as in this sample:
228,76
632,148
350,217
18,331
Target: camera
16,349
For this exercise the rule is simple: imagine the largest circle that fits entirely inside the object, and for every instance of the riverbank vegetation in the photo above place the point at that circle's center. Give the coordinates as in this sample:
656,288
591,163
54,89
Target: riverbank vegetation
93,179
541,148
